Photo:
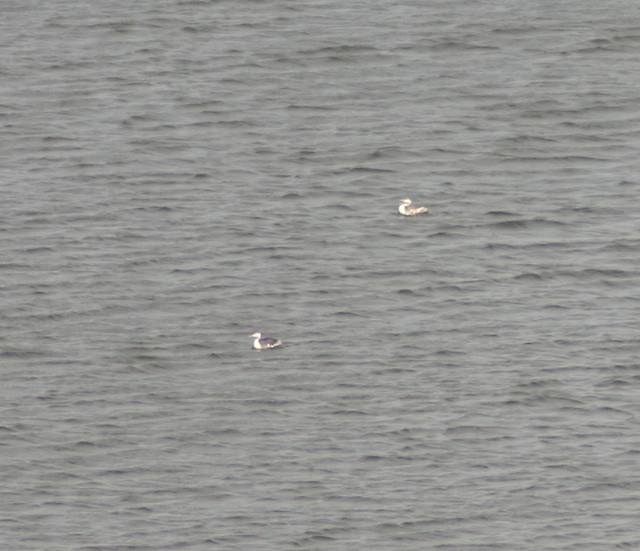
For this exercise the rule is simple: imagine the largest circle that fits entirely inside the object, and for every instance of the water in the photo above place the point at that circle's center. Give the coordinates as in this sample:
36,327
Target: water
178,175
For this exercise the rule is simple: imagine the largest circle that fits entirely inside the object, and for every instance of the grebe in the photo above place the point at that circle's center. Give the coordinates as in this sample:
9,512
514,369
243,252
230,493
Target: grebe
407,209
260,342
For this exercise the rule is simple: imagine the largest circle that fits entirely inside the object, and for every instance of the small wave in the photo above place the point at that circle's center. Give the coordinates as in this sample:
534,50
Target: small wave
516,30
33,250
292,195
24,353
616,382
529,277
310,107
454,46
445,353
338,53
348,314
509,224
599,274
500,213
525,223
447,234
500,246
369,169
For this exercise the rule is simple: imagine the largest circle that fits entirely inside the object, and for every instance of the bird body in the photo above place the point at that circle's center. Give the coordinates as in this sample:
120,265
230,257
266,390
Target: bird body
406,208
262,343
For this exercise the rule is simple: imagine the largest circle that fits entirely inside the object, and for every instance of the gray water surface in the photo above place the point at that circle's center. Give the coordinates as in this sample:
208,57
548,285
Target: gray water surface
179,174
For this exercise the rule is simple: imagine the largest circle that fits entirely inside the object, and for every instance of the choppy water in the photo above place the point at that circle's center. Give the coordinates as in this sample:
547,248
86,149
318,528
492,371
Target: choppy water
179,174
